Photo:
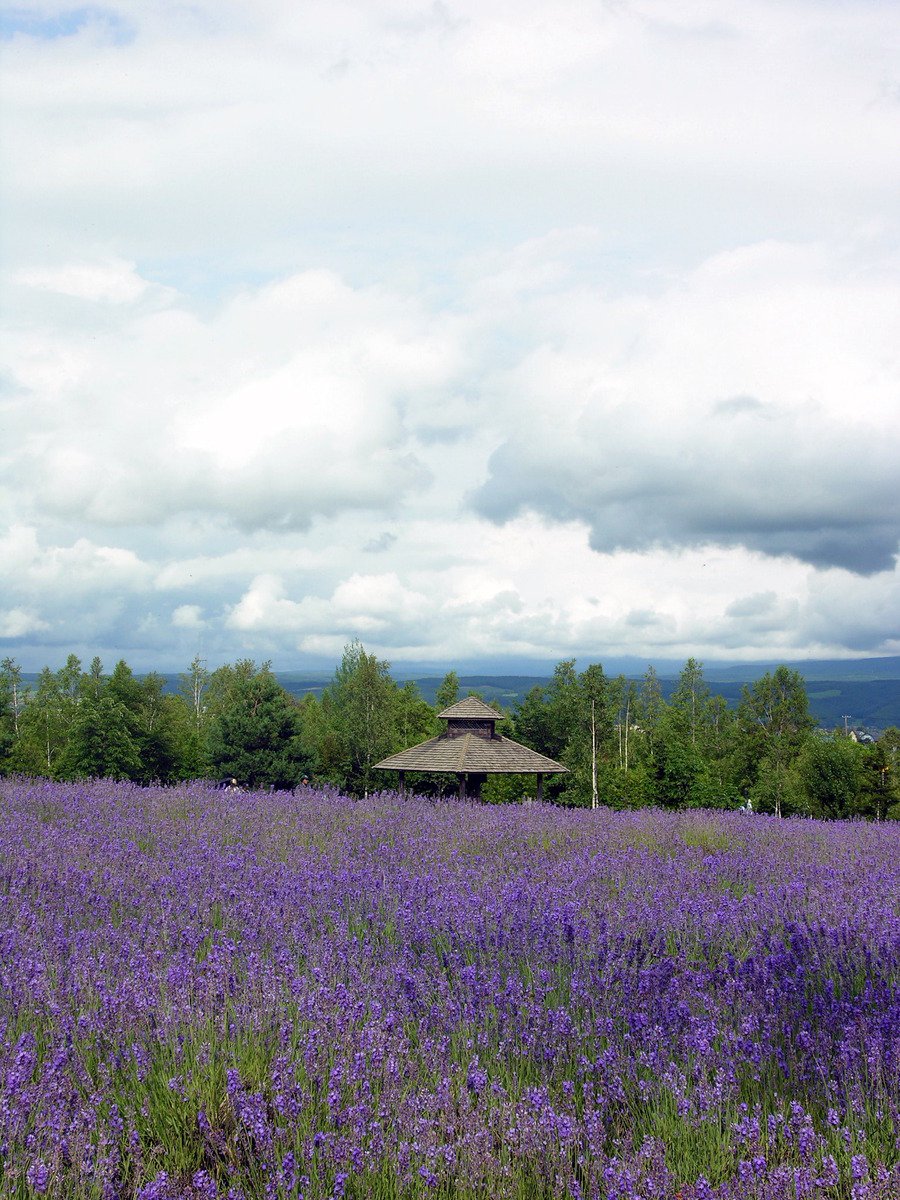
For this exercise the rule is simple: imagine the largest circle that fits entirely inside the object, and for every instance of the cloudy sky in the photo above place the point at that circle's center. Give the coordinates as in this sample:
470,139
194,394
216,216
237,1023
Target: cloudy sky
497,330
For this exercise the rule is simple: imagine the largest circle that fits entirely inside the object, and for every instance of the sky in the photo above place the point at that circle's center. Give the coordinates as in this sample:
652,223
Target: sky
484,331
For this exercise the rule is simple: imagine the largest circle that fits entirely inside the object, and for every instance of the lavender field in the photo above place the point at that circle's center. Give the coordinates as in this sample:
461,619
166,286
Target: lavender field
211,995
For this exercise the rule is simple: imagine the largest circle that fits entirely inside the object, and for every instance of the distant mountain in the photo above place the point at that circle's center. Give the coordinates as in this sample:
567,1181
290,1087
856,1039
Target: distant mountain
861,693
871,704
507,690
854,693
867,703
859,670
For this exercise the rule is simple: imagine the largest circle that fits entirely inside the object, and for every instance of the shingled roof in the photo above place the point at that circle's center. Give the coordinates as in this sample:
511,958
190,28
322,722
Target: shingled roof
470,746
468,753
469,709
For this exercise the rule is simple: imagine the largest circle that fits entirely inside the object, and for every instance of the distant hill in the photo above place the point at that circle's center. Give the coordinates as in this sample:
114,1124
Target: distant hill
872,705
868,703
857,670
864,691
507,690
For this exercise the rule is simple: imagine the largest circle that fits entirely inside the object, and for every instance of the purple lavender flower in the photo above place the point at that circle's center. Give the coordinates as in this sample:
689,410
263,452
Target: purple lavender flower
204,995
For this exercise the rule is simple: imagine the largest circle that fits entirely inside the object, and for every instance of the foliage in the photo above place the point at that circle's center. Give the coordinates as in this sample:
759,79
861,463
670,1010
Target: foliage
365,710
100,744
47,720
775,722
254,734
448,691
830,770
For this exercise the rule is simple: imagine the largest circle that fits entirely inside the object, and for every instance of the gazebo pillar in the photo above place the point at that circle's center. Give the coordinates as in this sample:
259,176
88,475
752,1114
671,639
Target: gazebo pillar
470,784
402,775
540,787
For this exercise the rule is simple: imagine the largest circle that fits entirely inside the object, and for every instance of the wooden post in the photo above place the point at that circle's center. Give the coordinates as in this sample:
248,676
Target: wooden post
402,775
540,787
462,787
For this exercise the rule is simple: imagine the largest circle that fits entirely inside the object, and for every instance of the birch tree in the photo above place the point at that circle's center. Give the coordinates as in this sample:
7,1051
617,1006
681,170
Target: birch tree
365,708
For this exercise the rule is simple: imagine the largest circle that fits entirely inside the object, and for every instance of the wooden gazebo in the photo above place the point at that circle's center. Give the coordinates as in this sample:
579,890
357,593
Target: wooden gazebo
471,749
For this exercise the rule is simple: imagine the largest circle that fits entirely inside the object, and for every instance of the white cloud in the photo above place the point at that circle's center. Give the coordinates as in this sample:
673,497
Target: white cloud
534,590
362,605
289,404
17,623
110,282
188,616
263,606
583,319
752,402
78,569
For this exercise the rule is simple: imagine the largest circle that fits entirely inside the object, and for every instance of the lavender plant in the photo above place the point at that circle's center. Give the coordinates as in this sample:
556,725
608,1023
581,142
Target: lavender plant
252,996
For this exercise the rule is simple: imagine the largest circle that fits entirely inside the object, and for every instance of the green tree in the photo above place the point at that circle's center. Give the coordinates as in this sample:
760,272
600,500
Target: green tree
448,691
156,724
503,789
123,686
319,739
46,720
571,720
565,711
225,683
684,745
582,713
157,732
624,700
830,770
254,736
414,715
547,720
100,744
189,750
531,720
92,684
12,703
889,747
12,691
773,725
651,707
193,689
364,709
877,784
682,775
690,706
69,677
194,686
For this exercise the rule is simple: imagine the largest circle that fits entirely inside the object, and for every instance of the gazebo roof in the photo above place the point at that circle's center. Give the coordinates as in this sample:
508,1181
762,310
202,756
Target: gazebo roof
471,709
470,754
471,746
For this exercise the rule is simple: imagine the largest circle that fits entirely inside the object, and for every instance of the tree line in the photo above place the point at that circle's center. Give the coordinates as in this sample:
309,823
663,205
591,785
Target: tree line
624,744
627,746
